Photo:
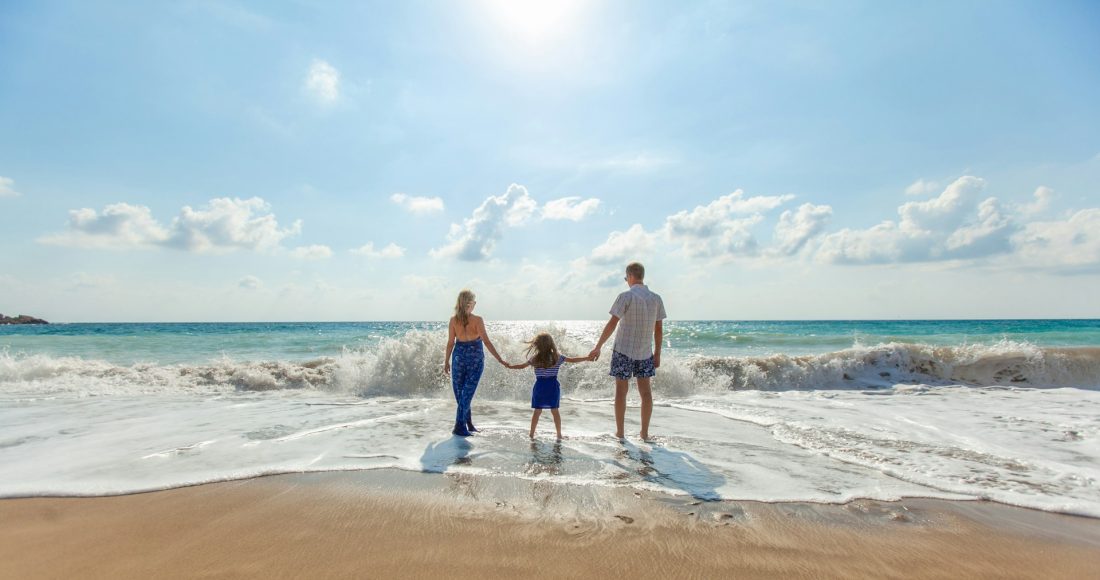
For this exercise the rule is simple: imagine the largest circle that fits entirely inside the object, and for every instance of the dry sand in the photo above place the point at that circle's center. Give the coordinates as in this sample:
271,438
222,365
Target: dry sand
382,525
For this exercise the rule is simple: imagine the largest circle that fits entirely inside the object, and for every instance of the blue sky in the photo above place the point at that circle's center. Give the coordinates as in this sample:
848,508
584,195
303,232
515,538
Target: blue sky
202,160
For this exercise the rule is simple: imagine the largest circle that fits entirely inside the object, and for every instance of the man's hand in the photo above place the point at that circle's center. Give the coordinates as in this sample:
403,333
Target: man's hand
656,360
594,355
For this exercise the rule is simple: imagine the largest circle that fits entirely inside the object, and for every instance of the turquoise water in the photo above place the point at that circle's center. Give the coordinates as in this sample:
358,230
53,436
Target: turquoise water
174,343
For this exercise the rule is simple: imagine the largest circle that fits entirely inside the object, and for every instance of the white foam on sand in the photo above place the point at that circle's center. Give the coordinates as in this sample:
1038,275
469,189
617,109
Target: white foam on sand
1029,447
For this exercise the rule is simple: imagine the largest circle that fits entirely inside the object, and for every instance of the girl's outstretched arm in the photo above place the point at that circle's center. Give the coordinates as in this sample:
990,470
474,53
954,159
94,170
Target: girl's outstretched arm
517,367
577,359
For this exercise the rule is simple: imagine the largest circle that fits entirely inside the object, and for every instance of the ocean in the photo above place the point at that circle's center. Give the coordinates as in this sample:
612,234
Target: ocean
820,411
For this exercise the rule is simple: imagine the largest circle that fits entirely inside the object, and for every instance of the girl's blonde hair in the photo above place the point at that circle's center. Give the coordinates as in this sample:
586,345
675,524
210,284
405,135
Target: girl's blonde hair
462,311
545,351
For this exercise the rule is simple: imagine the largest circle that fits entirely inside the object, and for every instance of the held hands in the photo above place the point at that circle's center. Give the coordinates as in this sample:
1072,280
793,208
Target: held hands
595,354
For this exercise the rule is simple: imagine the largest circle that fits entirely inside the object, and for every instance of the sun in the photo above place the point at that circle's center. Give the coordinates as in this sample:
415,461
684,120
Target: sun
533,22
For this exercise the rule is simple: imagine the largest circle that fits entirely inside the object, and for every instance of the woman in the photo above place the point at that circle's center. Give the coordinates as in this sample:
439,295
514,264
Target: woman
465,335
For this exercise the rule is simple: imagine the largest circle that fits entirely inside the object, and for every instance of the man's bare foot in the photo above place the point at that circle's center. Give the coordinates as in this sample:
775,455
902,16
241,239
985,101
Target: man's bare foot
620,437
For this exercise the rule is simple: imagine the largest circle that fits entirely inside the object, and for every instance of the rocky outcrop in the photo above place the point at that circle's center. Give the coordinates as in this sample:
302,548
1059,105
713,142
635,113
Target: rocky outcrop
21,319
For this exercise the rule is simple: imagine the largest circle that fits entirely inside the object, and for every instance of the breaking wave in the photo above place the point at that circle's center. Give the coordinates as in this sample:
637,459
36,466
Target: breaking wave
412,366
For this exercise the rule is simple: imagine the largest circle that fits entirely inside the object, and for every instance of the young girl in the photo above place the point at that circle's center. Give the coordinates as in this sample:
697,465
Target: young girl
546,393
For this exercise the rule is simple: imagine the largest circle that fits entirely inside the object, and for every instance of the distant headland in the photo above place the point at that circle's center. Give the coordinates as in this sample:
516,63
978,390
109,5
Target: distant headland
21,319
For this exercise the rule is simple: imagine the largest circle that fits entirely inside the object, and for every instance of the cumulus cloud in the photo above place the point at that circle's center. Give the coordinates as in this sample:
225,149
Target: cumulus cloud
250,282
956,224
7,187
922,187
1043,196
1070,246
795,228
418,205
476,237
714,230
314,252
323,82
224,224
569,208
119,225
624,246
389,252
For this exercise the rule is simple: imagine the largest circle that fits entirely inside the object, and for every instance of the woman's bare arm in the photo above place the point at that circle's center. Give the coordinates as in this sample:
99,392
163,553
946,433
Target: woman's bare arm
450,346
488,343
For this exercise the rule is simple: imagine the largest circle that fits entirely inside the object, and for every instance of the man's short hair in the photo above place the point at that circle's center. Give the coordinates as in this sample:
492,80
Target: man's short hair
636,269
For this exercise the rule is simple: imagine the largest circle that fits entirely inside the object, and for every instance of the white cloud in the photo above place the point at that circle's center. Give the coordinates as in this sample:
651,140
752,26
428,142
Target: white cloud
389,252
119,226
7,187
610,280
418,205
1071,246
323,82
569,208
250,282
712,230
795,228
922,187
624,246
942,228
224,224
475,239
946,211
1043,196
990,234
314,252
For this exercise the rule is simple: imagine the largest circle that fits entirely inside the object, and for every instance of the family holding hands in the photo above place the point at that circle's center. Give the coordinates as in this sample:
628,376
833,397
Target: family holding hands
636,319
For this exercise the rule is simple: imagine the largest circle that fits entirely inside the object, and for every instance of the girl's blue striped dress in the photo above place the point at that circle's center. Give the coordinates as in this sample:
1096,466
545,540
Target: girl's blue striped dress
547,391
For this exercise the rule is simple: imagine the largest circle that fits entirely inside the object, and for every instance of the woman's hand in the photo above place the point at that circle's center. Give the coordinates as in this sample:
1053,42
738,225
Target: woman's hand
447,367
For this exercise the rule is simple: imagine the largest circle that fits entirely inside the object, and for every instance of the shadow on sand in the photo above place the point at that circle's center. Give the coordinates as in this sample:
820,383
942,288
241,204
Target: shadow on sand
671,469
439,456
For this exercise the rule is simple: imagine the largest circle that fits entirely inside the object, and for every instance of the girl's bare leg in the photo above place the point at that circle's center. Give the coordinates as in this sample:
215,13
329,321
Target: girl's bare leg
535,421
557,422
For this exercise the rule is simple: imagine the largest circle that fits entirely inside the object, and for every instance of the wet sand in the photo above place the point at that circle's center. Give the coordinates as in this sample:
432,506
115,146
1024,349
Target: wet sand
395,524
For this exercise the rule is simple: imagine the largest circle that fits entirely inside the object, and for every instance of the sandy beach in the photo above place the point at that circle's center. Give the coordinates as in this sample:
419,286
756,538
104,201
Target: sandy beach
392,524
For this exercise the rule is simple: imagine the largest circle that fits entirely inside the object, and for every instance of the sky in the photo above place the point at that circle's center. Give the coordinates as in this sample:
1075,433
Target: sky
204,160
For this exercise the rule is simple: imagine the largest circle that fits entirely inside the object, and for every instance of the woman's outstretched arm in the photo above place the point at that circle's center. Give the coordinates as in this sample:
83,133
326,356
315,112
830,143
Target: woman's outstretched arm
450,347
488,343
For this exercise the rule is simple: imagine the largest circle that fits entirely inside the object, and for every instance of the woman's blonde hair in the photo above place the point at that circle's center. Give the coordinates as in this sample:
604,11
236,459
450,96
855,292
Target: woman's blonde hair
545,351
462,310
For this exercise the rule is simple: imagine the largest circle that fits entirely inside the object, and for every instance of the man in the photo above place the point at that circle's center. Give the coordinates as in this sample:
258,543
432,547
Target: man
638,314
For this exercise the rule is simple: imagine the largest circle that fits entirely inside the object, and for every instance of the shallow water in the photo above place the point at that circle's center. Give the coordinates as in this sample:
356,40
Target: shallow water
1013,417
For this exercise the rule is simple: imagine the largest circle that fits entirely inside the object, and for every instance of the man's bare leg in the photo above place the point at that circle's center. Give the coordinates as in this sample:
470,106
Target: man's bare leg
647,405
621,386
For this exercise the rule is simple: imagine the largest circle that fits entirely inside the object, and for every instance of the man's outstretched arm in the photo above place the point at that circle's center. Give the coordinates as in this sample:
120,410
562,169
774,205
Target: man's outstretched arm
607,330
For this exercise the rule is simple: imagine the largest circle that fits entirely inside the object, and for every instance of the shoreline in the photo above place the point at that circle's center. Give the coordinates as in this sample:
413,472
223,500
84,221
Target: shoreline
390,522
